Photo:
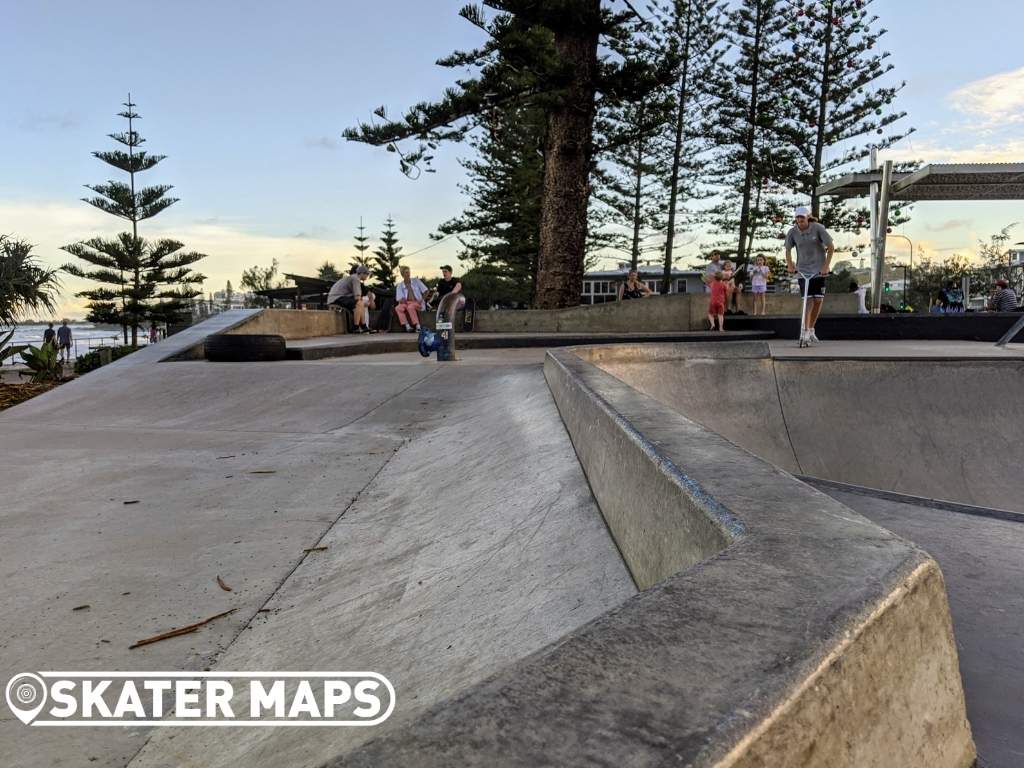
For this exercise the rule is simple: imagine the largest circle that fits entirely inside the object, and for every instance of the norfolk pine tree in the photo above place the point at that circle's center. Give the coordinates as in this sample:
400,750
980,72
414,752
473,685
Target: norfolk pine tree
386,259
691,31
546,55
150,281
754,160
500,230
834,99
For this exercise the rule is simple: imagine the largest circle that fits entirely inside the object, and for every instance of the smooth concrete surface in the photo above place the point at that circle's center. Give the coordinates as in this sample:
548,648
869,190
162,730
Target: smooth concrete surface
370,344
935,419
675,312
982,559
814,638
459,477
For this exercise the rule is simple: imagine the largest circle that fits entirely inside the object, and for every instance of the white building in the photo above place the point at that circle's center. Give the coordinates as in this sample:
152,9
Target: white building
602,286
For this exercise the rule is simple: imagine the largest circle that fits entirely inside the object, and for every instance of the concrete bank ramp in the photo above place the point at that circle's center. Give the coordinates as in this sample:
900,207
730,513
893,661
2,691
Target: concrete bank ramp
430,523
776,627
938,427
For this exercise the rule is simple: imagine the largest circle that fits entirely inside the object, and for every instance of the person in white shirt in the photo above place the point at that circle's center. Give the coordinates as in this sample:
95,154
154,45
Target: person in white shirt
410,294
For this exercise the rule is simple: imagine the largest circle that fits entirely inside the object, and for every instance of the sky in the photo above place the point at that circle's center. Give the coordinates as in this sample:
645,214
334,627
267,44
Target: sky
248,101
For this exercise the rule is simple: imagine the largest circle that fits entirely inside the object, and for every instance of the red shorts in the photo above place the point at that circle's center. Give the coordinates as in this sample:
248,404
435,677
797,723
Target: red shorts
716,308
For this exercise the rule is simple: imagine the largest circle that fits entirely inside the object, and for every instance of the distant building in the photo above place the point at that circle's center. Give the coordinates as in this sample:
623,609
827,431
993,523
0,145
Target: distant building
602,286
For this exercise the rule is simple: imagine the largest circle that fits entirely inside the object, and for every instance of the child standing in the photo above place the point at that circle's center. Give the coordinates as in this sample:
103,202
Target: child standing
759,282
716,307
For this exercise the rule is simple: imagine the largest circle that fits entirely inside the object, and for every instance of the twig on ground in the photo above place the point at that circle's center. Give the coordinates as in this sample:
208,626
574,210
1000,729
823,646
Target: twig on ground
182,631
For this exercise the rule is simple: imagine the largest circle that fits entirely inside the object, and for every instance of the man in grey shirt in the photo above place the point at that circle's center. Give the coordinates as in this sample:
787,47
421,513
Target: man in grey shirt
348,293
814,251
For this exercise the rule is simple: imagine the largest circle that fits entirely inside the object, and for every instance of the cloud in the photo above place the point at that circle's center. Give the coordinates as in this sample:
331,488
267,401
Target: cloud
1009,150
324,142
998,99
37,123
954,224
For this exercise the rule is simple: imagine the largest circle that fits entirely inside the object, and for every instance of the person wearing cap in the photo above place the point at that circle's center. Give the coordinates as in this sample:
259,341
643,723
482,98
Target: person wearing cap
447,284
1004,299
814,251
709,271
348,293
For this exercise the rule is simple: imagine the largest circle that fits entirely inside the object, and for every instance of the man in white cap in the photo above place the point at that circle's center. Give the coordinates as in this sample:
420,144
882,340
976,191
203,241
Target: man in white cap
814,251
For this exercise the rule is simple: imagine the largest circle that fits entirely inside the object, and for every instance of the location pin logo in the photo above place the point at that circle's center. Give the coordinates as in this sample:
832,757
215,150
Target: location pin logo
26,695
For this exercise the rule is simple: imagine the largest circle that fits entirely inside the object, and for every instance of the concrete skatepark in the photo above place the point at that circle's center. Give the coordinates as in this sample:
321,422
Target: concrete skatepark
564,558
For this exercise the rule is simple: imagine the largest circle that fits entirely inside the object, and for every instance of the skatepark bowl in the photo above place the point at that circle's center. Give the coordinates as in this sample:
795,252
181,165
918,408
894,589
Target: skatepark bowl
627,562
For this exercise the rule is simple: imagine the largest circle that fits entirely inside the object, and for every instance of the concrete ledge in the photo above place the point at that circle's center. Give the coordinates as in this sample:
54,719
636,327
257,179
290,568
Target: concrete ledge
800,634
404,342
675,312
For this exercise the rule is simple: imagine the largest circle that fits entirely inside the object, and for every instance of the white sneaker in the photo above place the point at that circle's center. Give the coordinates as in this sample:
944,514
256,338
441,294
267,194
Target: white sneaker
814,336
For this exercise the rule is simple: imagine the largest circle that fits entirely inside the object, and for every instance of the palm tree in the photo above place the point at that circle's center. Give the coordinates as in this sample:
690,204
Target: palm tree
25,285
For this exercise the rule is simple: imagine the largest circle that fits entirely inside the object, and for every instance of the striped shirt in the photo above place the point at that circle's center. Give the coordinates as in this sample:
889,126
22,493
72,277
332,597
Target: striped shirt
1005,300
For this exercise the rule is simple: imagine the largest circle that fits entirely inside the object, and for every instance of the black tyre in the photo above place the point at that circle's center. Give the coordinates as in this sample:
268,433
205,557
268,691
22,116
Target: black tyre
244,348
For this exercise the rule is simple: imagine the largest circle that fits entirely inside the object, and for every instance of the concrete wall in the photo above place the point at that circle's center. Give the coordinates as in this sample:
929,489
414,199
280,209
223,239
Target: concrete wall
677,312
294,323
946,429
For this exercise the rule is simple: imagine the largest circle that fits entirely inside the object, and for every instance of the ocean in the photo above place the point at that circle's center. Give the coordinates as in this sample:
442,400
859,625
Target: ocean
84,336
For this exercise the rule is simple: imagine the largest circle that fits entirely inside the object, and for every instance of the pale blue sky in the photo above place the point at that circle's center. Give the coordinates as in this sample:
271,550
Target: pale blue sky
248,100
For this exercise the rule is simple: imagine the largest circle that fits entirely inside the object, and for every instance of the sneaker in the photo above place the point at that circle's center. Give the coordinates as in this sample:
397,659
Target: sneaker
363,329
418,329
814,336
805,338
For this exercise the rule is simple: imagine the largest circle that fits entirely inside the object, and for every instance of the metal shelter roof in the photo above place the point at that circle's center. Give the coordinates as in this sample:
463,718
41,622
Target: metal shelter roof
954,181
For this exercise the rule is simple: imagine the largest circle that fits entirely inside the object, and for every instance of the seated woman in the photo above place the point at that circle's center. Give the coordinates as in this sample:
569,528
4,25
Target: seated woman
410,293
633,288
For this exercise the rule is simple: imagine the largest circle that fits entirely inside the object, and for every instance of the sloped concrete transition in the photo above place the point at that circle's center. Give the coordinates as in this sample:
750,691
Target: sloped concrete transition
776,626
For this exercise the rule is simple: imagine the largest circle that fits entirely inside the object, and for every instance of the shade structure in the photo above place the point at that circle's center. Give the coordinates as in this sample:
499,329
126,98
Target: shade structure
952,181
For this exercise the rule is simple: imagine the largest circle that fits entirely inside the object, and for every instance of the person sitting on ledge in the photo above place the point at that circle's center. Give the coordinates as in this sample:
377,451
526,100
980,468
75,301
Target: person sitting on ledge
410,293
633,288
1004,299
348,293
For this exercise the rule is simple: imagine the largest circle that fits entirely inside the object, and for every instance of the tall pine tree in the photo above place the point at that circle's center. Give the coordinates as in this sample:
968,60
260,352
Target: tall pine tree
360,246
387,259
754,160
690,31
148,281
500,230
546,55
834,99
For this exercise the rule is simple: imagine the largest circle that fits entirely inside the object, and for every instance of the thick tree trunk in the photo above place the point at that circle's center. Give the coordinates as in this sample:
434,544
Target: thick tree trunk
677,151
752,116
568,152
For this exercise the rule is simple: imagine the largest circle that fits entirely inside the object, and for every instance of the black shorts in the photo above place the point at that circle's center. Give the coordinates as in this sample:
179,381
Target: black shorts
348,302
816,289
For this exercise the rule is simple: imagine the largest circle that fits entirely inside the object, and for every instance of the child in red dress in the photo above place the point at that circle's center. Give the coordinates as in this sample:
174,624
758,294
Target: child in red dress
716,307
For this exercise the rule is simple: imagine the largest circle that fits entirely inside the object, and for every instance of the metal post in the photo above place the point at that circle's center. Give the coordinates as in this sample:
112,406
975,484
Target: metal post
882,223
876,282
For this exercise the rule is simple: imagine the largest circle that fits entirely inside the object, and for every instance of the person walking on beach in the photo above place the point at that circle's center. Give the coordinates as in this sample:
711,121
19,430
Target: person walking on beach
50,335
64,339
814,251
759,274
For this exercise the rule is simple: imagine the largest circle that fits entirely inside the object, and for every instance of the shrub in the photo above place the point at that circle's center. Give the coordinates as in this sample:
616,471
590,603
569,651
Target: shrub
91,361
